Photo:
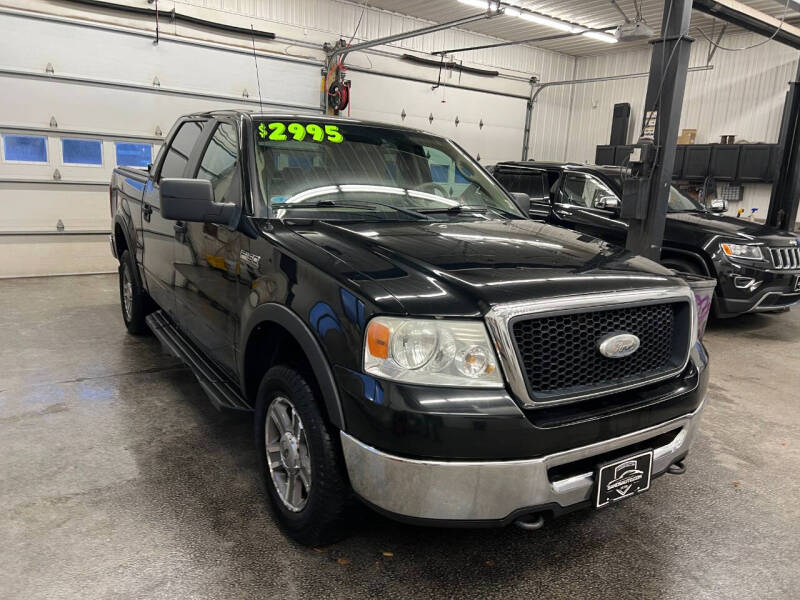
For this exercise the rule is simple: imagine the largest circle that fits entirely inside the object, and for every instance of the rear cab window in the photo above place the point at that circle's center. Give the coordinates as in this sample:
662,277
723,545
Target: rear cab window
525,181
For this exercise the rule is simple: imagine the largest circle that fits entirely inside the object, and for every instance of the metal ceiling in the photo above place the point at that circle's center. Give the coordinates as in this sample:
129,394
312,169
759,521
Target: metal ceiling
591,13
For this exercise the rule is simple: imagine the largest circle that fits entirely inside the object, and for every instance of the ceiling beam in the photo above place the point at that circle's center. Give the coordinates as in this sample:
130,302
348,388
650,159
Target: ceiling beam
751,19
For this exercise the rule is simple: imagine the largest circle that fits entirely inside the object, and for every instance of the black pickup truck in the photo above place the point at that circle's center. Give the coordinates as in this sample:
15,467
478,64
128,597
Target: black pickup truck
757,267
403,333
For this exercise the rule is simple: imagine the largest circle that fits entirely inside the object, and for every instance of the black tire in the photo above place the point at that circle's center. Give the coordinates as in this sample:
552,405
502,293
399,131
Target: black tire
323,518
133,314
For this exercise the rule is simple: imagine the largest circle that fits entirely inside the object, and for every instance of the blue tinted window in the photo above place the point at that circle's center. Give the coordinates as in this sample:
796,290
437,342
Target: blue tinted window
134,155
440,173
82,152
459,178
27,148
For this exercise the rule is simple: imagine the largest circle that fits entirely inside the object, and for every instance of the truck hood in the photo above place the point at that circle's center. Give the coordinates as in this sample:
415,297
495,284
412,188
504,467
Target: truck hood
729,227
463,268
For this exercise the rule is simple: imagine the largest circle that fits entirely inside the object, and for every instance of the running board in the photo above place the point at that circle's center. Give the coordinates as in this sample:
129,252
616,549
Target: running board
220,390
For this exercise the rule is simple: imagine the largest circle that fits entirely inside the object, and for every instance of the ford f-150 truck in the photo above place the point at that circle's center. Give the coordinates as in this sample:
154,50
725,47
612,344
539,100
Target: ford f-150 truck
757,267
403,333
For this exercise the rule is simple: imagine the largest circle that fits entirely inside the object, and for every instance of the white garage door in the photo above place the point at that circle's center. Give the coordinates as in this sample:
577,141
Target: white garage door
78,99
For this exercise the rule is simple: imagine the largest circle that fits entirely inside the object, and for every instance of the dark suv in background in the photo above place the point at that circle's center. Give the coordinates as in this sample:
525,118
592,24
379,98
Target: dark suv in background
757,267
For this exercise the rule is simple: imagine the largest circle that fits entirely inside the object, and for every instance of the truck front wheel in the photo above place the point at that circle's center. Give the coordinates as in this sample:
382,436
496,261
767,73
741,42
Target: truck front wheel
132,297
301,459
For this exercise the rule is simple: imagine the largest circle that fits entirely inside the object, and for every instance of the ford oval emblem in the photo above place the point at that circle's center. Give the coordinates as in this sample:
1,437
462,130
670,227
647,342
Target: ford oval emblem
618,345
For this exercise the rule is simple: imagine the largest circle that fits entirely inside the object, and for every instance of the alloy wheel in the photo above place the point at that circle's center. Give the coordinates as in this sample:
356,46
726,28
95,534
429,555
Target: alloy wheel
288,453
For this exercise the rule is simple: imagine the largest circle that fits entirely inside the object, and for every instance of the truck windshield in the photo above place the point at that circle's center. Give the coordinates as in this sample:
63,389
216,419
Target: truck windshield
343,171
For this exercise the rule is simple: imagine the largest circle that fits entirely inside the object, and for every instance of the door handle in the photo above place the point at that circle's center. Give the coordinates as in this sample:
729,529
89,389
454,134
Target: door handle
180,231
147,210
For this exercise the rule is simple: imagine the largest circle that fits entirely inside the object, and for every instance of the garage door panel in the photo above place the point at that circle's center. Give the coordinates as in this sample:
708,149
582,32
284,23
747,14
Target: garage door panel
103,84
24,256
38,207
115,56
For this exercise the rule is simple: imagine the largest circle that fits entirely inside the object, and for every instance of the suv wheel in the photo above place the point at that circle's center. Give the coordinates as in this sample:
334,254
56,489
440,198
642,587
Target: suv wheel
301,459
132,297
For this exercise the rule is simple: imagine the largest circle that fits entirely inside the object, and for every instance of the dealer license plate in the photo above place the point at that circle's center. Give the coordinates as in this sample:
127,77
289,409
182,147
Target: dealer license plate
623,478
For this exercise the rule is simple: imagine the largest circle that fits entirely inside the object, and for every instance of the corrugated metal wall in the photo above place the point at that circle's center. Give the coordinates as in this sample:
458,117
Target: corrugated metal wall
743,95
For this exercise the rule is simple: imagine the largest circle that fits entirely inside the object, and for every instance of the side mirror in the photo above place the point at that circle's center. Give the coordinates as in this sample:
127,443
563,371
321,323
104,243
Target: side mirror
608,203
523,202
718,205
193,200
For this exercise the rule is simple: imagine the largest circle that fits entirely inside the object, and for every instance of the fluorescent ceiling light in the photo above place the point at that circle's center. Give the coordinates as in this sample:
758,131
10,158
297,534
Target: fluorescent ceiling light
484,4
553,23
600,36
550,22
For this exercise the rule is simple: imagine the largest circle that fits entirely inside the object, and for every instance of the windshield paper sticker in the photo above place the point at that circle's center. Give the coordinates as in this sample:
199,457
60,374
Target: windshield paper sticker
281,132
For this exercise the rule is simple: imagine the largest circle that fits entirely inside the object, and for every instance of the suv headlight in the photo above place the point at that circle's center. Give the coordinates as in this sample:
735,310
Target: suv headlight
744,251
431,352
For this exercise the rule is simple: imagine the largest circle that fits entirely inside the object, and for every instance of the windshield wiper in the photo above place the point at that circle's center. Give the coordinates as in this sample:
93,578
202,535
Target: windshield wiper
454,210
360,205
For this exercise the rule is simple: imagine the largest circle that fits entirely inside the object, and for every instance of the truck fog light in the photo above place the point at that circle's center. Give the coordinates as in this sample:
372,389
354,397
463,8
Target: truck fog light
746,283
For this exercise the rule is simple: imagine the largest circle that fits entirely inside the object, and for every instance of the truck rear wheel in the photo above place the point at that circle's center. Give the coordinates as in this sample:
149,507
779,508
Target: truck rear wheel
301,460
132,297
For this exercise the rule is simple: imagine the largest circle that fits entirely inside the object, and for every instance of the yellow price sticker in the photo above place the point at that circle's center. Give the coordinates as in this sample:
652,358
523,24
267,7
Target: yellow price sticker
281,132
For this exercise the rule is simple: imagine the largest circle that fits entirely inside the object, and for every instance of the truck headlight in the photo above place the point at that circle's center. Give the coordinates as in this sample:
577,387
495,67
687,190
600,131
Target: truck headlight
431,352
744,251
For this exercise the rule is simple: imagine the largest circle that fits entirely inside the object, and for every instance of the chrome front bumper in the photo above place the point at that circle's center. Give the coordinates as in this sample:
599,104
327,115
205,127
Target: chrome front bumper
491,491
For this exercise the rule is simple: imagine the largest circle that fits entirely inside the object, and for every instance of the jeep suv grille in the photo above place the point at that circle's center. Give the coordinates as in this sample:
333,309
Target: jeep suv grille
560,359
785,258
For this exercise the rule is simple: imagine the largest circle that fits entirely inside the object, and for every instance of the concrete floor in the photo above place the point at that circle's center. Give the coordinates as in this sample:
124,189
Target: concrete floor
119,480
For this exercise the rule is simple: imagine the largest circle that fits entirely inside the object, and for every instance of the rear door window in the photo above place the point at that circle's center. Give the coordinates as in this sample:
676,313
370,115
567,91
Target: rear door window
180,149
525,182
220,164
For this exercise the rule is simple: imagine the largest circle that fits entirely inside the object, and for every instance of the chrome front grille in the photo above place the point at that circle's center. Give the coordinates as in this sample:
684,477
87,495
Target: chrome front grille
787,258
556,364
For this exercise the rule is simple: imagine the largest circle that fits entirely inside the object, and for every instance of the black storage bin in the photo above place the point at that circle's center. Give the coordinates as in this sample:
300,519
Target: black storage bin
697,161
755,162
724,161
